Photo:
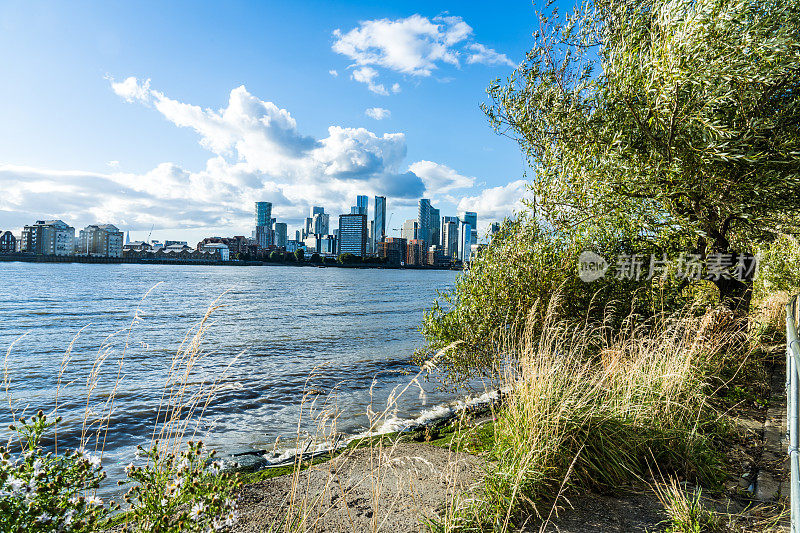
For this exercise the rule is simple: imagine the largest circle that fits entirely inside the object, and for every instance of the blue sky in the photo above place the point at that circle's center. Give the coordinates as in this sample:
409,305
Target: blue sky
179,115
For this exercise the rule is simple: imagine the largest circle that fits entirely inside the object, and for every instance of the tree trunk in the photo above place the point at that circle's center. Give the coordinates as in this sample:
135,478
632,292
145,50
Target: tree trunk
735,295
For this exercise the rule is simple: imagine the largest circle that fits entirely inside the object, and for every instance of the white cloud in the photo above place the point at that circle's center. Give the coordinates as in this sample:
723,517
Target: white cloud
487,56
497,202
113,163
396,88
131,89
440,178
378,113
414,46
367,75
333,73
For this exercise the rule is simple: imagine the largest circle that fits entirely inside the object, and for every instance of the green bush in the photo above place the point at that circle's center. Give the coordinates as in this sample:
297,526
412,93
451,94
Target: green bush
41,491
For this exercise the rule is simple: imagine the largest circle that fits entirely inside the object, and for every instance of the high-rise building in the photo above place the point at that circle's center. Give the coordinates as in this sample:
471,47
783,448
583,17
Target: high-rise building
410,230
424,220
465,242
263,234
450,227
100,240
353,234
471,218
417,253
494,228
362,204
393,250
380,220
371,238
280,234
48,237
316,210
435,230
321,224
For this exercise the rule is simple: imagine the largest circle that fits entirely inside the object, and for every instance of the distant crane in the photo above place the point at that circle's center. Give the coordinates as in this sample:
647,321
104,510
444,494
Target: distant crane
151,232
389,221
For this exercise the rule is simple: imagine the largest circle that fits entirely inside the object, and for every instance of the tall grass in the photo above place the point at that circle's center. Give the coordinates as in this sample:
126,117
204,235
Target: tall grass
593,408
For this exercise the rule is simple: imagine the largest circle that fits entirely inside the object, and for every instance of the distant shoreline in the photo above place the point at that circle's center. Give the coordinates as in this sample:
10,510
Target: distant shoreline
190,262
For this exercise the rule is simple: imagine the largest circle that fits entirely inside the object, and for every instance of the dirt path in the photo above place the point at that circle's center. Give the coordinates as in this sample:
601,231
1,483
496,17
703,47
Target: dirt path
388,489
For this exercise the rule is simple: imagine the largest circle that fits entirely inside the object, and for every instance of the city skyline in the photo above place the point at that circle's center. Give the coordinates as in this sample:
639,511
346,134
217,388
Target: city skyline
151,140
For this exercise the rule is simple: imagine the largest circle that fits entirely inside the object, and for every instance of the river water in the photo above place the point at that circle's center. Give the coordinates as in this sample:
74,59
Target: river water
345,335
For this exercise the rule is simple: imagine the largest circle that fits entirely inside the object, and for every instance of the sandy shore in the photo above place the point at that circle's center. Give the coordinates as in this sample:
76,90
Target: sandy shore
383,488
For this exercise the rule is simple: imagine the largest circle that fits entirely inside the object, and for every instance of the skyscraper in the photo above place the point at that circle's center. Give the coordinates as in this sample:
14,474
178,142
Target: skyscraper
280,234
263,223
317,210
471,218
424,220
435,228
353,234
321,224
362,204
380,220
450,226
465,242
410,230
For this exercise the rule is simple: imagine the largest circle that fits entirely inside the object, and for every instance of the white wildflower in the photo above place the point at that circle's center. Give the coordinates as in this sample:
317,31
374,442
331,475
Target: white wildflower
94,500
38,468
197,511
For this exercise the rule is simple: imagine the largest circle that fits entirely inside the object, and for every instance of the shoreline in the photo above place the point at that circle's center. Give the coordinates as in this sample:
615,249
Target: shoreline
19,258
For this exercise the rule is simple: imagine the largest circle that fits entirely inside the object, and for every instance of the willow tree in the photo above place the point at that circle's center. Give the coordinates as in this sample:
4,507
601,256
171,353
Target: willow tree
680,116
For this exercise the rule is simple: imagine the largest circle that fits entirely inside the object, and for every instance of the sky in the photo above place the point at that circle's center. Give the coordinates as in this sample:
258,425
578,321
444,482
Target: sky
178,116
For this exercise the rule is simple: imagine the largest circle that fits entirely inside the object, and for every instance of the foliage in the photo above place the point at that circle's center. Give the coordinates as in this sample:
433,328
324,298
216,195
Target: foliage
509,286
315,258
276,257
687,513
680,115
348,259
779,266
187,492
299,254
42,491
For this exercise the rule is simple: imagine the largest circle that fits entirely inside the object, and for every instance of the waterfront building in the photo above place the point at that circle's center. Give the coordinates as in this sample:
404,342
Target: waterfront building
437,257
353,234
100,240
292,245
424,220
236,245
280,234
321,224
8,243
222,249
136,247
393,250
435,231
416,253
48,237
263,234
362,204
450,227
371,238
379,231
328,245
471,218
464,242
312,243
410,230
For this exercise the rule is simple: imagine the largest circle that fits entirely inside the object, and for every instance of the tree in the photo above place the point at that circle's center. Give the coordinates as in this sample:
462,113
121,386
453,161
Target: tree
299,254
315,258
348,259
677,116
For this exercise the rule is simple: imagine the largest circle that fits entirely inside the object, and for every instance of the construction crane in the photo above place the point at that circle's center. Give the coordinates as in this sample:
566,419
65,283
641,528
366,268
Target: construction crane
151,232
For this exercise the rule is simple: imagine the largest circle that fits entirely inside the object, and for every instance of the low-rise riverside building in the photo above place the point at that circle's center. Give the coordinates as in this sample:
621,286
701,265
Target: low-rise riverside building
393,249
48,237
8,243
416,253
100,240
224,252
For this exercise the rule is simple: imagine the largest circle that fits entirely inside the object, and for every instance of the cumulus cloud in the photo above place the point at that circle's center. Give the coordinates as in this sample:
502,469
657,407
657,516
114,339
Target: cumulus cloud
487,56
333,72
378,113
414,46
257,153
441,179
497,202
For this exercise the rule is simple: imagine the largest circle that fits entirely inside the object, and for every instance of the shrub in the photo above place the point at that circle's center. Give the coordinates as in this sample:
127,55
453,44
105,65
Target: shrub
42,491
187,492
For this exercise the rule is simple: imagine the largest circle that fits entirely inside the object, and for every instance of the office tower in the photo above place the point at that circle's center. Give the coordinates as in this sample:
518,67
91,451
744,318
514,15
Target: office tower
371,237
317,210
424,220
494,228
280,234
48,237
380,220
362,204
263,224
471,218
100,240
297,235
410,230
321,224
435,228
465,242
353,234
450,227
309,227
354,210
